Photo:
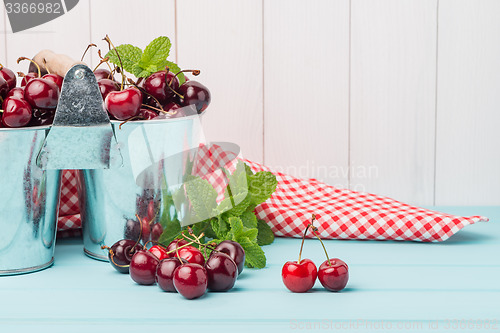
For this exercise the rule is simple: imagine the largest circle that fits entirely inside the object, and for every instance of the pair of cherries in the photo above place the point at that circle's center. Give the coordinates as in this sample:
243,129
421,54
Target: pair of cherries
300,276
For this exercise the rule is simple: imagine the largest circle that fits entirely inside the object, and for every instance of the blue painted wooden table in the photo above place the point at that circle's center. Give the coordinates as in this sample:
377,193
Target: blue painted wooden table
394,286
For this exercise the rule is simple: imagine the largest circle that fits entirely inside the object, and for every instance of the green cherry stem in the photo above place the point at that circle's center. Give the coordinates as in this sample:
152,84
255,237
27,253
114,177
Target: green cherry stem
302,244
314,230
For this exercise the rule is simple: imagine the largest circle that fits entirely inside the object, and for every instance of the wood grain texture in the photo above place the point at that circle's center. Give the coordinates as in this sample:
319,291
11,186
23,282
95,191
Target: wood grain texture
68,34
223,38
131,22
393,71
468,113
3,31
306,66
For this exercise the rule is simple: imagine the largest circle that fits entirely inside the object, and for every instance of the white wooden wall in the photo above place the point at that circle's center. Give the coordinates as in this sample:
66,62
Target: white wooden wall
396,97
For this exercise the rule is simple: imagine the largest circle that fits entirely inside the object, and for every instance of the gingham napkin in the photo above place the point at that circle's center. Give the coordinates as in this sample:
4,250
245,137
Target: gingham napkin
341,213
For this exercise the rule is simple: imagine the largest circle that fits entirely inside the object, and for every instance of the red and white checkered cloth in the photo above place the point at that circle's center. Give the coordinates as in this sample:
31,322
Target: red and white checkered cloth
341,213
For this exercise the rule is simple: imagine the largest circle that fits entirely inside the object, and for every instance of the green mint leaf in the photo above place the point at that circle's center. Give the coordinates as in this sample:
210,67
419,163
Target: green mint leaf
248,170
265,236
251,234
236,227
219,226
156,52
261,186
129,56
248,218
203,198
138,71
254,255
171,231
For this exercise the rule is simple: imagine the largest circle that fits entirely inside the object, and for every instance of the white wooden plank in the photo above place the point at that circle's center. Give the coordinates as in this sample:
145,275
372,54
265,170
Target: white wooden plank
132,22
223,38
3,28
468,117
68,34
306,75
393,62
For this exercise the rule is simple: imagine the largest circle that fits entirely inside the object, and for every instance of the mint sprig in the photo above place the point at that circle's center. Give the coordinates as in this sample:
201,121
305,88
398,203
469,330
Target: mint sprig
144,63
234,218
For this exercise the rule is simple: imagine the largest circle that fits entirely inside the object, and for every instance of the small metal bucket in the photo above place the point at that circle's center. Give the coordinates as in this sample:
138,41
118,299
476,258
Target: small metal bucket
29,198
155,153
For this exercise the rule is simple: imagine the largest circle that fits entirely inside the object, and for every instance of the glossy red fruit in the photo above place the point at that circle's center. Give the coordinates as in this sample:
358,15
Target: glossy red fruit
195,93
124,104
190,280
333,274
156,232
165,273
120,254
4,88
8,76
106,86
147,114
57,79
157,86
42,117
222,272
159,251
191,254
175,244
235,251
16,112
299,277
102,73
143,267
41,93
17,92
28,77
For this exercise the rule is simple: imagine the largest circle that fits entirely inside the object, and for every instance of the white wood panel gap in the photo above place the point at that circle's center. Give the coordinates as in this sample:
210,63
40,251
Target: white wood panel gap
468,113
132,22
223,38
68,34
393,70
306,74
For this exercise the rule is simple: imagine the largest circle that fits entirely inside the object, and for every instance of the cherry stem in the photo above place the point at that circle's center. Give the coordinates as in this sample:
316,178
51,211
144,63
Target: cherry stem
156,109
112,255
169,84
129,119
140,232
105,60
195,72
315,233
37,66
107,39
45,65
88,47
180,247
302,244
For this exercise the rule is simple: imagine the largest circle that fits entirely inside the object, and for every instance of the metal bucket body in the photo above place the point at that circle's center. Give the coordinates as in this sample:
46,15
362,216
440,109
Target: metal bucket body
156,154
29,202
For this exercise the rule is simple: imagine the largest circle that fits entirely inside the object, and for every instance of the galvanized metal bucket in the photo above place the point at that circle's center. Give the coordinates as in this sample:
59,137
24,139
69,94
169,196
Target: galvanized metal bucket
156,155
29,198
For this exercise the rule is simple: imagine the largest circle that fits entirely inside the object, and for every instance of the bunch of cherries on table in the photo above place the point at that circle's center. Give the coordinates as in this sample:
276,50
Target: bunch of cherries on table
180,266
34,102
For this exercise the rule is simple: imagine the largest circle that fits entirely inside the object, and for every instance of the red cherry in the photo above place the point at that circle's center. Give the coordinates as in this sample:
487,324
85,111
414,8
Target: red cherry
41,93
333,276
102,73
57,79
42,117
16,112
299,277
106,86
147,114
176,243
195,93
120,254
124,104
156,232
222,271
235,251
190,280
17,92
165,273
4,88
28,77
156,85
143,267
159,251
8,76
191,254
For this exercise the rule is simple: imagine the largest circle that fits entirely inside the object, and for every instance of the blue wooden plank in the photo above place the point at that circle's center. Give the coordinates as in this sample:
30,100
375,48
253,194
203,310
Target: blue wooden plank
392,284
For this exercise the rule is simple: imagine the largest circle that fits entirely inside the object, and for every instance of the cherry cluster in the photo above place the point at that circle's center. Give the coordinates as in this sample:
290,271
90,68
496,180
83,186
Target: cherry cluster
33,103
180,266
300,276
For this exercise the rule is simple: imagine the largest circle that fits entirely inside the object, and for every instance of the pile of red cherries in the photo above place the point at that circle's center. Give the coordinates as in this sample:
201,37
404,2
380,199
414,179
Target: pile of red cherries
179,267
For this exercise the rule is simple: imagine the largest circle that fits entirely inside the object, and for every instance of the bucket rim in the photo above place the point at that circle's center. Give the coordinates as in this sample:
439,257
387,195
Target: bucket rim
29,128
